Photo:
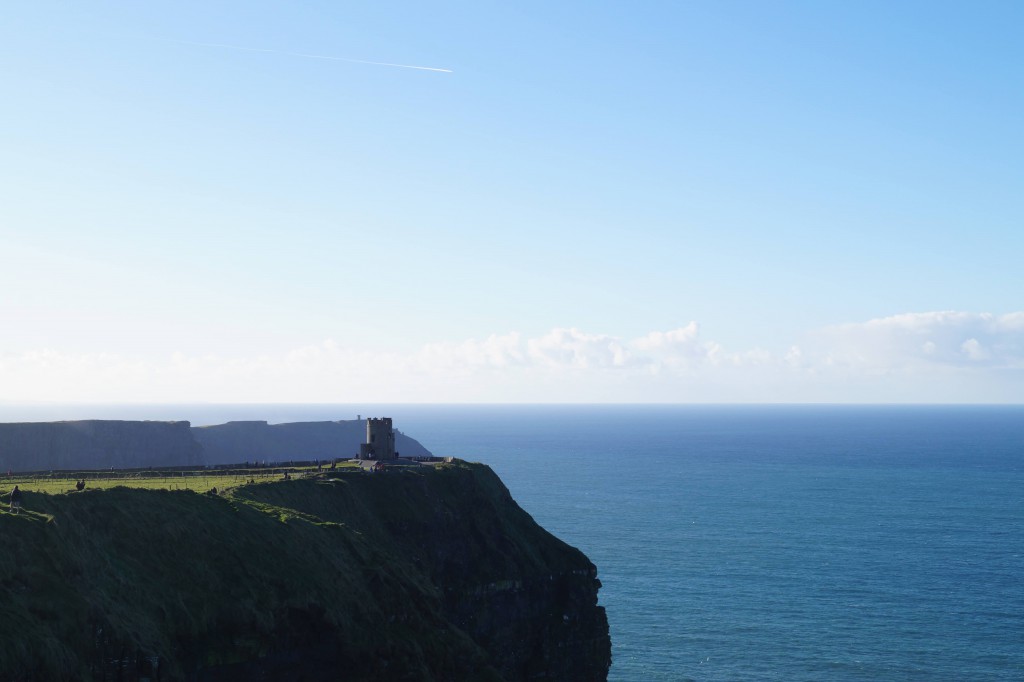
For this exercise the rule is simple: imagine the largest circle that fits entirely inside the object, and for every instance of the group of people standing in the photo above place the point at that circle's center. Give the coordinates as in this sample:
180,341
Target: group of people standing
16,496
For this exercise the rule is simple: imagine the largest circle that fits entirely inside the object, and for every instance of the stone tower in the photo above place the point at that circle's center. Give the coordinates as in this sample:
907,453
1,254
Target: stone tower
380,440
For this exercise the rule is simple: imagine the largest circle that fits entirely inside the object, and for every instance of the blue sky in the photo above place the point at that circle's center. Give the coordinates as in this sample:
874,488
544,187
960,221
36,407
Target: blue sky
600,202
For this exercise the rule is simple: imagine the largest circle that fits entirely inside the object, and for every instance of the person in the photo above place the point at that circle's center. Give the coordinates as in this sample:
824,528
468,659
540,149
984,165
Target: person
16,500
80,486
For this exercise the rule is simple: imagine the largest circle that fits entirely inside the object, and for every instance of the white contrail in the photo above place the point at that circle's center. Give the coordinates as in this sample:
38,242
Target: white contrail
320,56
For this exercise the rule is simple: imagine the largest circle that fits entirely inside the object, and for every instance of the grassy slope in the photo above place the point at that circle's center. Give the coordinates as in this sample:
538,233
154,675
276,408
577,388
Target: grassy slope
338,566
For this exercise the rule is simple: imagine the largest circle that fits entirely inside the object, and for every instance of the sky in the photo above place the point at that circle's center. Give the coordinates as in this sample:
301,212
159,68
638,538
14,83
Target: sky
563,202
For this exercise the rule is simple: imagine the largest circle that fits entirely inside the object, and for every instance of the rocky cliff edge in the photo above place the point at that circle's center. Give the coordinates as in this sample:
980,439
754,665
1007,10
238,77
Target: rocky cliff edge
419,574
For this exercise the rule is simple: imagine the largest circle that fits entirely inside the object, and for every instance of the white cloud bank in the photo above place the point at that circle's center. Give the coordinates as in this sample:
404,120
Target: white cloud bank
917,357
919,340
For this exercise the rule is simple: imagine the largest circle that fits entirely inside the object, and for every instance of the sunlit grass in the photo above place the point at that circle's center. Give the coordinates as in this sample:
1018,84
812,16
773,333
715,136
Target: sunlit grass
202,480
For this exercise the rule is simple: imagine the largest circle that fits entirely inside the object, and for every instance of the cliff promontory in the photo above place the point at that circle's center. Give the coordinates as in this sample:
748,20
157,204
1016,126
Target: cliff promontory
416,573
241,441
101,444
96,444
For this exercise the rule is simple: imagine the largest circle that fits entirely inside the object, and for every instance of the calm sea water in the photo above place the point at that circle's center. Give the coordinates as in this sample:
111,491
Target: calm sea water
769,542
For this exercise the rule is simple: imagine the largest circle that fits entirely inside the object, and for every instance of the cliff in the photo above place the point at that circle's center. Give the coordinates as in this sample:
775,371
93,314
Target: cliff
93,444
422,574
101,444
257,440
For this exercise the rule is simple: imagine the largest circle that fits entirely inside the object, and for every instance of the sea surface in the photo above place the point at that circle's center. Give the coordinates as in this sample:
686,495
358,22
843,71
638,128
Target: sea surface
754,542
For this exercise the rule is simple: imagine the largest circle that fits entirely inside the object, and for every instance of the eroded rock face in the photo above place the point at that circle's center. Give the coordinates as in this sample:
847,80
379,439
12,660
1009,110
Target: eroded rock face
546,627
523,595
97,444
527,598
417,574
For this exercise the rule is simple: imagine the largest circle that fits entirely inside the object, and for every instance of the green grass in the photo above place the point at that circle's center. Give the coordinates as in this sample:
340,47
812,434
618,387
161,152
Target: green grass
60,482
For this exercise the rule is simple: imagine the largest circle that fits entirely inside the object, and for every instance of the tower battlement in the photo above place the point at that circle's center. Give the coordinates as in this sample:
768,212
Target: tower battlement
380,439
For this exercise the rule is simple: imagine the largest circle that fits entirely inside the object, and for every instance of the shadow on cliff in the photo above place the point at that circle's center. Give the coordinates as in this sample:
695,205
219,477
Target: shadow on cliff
420,574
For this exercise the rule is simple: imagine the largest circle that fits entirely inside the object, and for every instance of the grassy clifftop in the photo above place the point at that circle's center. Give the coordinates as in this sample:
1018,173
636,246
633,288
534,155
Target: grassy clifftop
416,574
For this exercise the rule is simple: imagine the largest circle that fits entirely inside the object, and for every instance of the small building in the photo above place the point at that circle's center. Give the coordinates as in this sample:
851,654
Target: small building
380,440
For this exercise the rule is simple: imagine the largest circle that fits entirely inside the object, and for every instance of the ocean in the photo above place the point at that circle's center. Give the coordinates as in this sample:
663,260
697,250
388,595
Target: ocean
754,542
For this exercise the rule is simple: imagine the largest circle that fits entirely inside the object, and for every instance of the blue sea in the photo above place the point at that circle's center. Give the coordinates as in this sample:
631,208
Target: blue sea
756,542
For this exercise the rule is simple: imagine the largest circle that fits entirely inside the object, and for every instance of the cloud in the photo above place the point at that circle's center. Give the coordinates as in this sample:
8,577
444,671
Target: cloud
496,351
920,357
923,340
571,348
678,349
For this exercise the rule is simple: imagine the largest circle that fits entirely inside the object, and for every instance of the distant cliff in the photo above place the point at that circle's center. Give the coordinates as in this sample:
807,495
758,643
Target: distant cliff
424,574
95,444
101,444
257,440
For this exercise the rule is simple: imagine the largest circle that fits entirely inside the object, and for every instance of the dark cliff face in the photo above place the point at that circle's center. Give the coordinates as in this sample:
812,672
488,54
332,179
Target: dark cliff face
524,596
421,575
97,444
258,440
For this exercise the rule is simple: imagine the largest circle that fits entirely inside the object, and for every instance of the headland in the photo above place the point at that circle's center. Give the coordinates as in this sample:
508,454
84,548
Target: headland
413,572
